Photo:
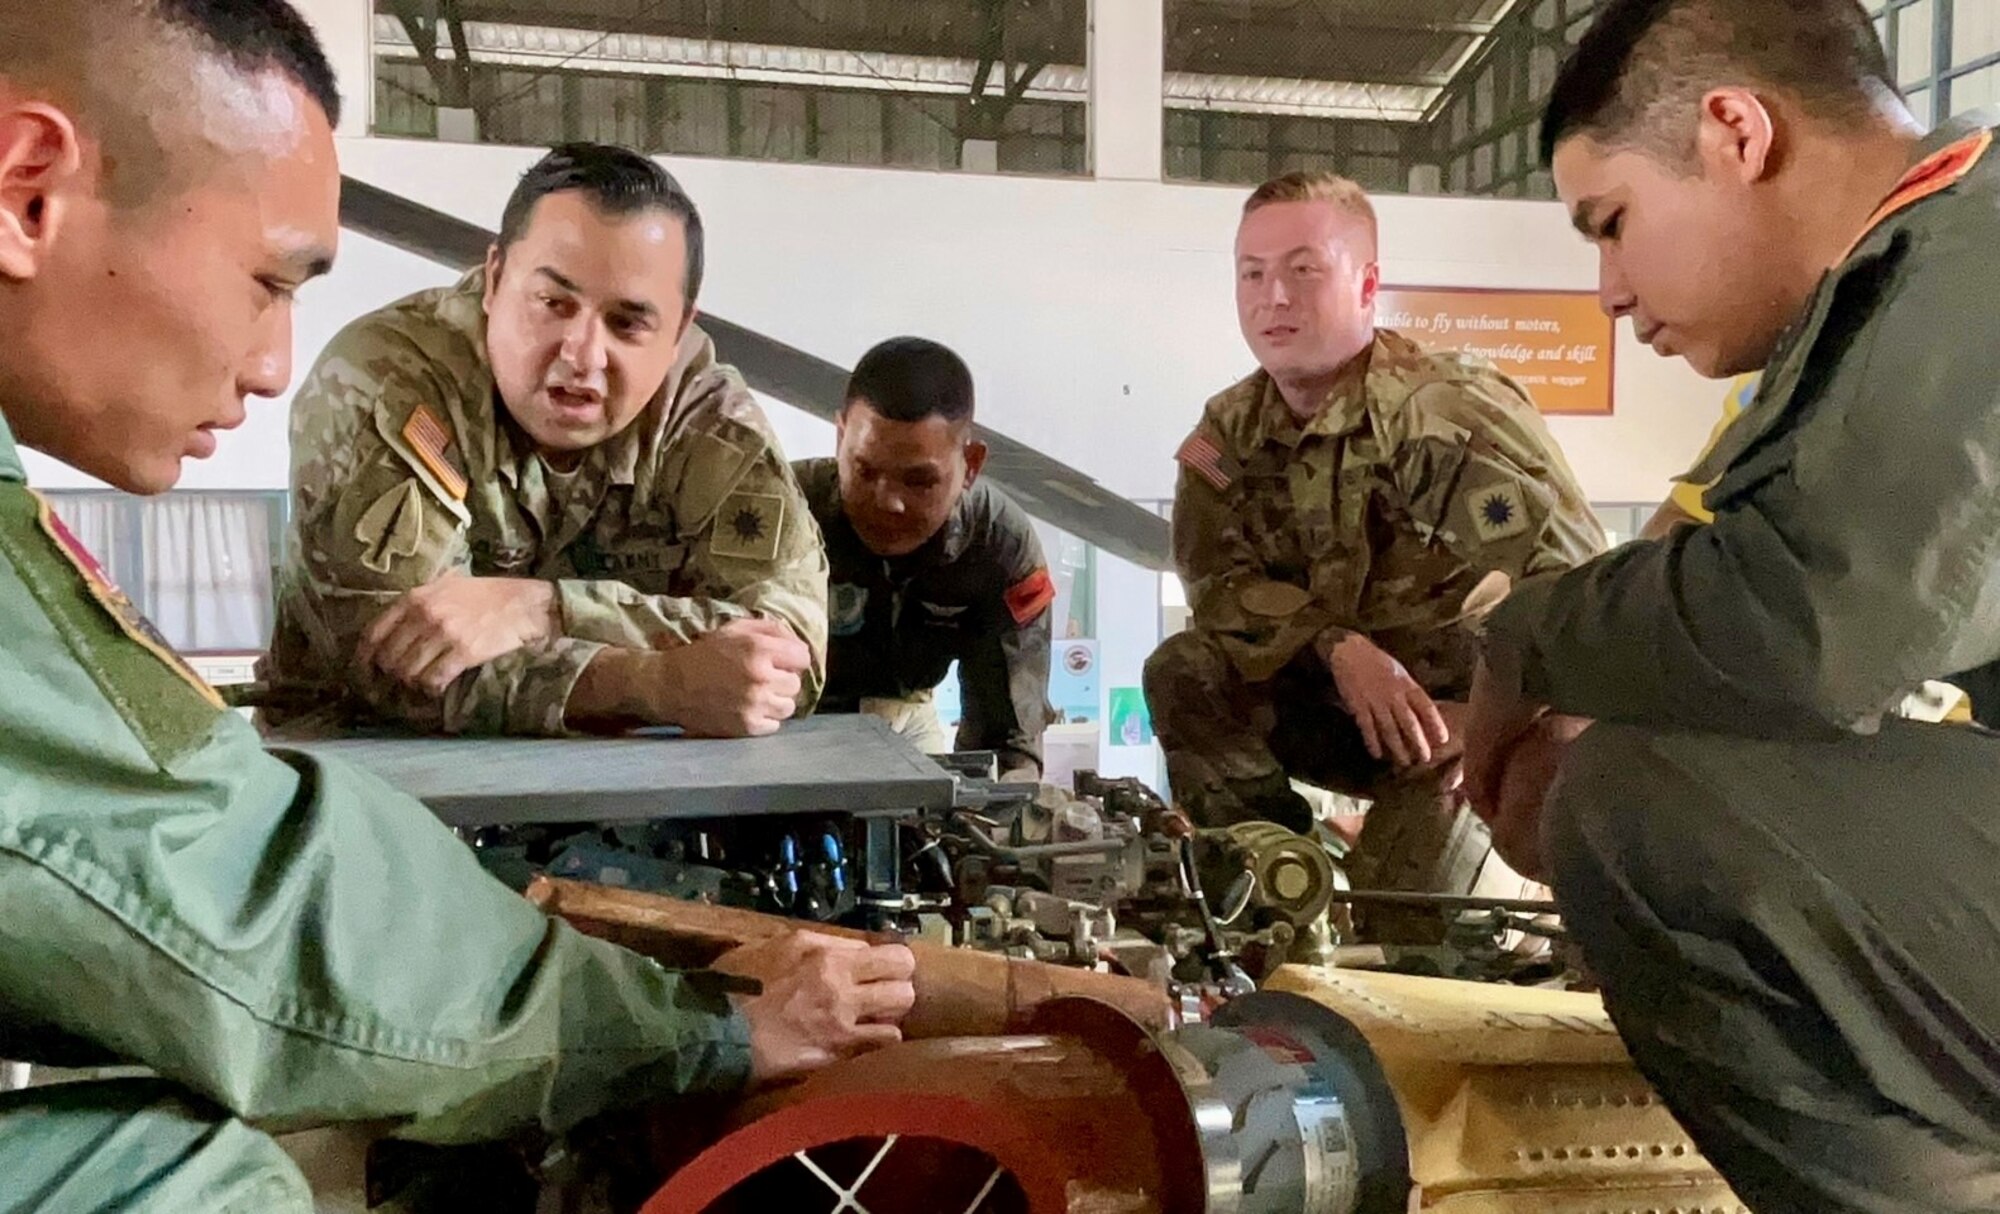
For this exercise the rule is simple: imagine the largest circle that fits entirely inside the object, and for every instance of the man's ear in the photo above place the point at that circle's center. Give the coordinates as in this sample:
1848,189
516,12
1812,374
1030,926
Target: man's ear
1738,135
975,459
496,262
1371,283
41,162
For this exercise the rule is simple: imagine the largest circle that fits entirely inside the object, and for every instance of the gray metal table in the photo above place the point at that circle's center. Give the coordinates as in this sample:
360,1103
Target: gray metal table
844,764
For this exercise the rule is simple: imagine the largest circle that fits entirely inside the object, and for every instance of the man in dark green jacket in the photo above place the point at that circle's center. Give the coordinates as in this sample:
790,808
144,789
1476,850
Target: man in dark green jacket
280,941
1791,897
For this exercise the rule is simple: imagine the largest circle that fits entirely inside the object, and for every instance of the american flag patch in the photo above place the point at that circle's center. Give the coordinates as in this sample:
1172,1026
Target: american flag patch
435,446
1206,460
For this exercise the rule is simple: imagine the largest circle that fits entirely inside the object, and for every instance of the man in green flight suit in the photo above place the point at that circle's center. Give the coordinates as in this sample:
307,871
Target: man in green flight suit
283,942
1791,896
534,500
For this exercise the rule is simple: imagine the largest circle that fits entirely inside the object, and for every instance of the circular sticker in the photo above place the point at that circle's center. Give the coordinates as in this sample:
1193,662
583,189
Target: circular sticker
1076,659
846,608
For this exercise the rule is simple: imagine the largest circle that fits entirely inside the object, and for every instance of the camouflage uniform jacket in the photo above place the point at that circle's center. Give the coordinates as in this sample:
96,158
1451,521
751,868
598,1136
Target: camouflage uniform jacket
403,471
978,593
1388,513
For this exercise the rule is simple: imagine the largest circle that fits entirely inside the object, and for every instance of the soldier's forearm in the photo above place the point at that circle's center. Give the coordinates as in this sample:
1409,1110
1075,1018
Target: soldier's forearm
625,687
614,613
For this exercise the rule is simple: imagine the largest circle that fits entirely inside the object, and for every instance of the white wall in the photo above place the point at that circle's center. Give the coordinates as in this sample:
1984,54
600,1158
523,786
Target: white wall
1096,315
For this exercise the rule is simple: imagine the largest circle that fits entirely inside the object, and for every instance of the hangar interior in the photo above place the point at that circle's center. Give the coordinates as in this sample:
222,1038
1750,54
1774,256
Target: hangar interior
1115,1010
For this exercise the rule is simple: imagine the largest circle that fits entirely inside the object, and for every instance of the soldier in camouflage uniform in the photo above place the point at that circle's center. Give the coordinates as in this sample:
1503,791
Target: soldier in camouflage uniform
534,500
1345,518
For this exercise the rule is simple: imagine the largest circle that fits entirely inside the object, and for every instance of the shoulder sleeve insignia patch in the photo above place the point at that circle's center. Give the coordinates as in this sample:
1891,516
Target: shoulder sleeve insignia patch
1028,598
748,526
121,609
433,443
392,527
1498,512
1203,456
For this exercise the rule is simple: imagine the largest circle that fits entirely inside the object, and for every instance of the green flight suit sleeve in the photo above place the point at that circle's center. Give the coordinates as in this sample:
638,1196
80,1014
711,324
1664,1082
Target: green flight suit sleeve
1481,471
1003,676
371,522
1261,623
753,549
1853,551
291,939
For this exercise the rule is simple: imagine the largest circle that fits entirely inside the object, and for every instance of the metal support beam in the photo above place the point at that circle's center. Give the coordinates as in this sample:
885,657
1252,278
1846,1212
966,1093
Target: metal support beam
1373,21
1128,70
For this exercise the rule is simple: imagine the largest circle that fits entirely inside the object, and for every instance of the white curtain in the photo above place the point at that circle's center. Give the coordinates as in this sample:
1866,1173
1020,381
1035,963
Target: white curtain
95,520
206,577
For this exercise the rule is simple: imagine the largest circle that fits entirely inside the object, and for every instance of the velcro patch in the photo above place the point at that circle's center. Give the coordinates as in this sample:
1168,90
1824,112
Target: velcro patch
1498,513
748,526
433,443
1028,598
1274,600
846,608
120,608
1205,458
392,527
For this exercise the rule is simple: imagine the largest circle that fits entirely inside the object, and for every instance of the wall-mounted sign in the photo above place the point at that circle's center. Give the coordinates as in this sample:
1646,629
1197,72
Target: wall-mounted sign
1556,344
1073,682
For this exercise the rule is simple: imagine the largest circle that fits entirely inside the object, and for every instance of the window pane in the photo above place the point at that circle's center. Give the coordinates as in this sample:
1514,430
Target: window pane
696,77
404,101
773,124
613,110
1913,42
1975,89
1975,30
694,118
849,127
1377,174
922,133
208,576
519,107
1920,105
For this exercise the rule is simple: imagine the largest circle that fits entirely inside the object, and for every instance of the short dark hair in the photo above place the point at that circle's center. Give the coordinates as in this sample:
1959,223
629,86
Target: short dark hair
908,379
1639,71
618,181
258,36
116,63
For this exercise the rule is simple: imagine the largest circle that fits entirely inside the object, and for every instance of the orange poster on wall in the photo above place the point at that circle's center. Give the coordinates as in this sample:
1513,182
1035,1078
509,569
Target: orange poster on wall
1556,344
